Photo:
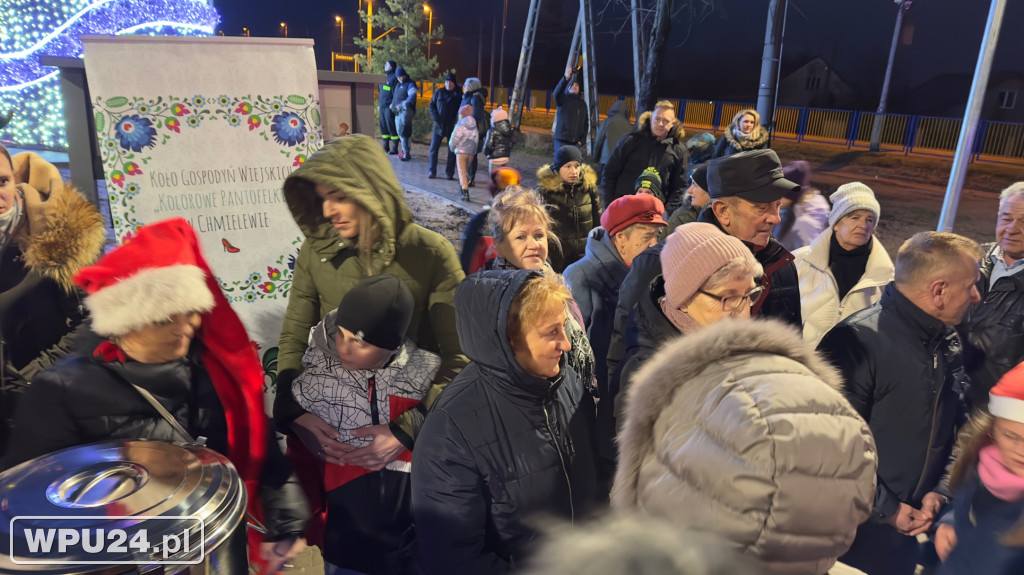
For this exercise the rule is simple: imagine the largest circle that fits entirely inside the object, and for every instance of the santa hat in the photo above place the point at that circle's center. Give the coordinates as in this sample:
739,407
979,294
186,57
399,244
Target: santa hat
1006,399
161,272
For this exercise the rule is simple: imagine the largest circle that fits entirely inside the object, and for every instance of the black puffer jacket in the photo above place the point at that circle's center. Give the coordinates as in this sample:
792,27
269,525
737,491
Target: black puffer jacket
576,209
993,330
500,447
780,281
573,119
904,375
478,99
444,110
82,399
499,140
639,150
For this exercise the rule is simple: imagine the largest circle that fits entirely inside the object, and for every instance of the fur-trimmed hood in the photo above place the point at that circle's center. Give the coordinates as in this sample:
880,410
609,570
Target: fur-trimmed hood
677,132
757,139
550,182
63,232
740,429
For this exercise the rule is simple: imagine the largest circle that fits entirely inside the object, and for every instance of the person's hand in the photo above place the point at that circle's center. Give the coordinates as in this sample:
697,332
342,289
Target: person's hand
568,72
945,541
382,450
320,438
910,521
931,504
276,553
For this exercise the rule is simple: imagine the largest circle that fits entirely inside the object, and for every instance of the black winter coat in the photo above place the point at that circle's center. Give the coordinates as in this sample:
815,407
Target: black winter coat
573,119
576,210
639,150
642,271
444,110
904,375
387,91
478,99
993,330
499,141
500,447
402,101
781,285
82,400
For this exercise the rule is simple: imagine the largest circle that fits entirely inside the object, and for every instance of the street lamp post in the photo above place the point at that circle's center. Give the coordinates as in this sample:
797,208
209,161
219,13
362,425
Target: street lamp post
341,33
876,128
284,26
245,31
430,26
369,33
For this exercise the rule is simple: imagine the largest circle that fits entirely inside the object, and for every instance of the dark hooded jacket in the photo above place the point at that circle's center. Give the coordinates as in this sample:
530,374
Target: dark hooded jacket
478,99
576,209
993,330
328,266
612,129
444,110
573,120
405,97
639,150
500,447
781,284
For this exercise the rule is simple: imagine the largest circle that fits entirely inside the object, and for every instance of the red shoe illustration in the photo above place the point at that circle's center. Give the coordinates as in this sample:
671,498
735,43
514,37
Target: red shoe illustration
228,247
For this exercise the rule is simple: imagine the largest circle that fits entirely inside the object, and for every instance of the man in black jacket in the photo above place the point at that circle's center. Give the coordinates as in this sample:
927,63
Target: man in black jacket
903,366
993,330
444,111
746,190
572,120
657,143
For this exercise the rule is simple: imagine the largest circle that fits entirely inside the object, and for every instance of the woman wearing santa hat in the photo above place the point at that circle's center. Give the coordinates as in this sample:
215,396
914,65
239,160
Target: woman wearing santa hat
984,530
165,330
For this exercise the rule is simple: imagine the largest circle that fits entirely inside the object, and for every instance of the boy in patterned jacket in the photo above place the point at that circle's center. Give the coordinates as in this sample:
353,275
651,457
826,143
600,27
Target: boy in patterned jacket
359,371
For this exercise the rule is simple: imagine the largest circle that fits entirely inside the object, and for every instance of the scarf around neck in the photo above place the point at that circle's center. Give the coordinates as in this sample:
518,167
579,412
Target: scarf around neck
996,477
10,219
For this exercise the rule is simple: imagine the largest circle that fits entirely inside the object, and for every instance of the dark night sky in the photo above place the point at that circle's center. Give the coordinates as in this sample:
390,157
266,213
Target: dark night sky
720,59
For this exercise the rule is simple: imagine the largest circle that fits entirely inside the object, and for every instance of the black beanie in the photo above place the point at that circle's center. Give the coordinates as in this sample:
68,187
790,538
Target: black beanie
399,72
377,310
451,78
565,155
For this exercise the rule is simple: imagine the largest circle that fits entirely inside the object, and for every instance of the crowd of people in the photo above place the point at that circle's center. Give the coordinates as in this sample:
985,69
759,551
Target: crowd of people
680,358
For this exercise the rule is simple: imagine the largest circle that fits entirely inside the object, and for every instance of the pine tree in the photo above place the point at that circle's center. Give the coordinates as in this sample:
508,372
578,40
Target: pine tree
405,43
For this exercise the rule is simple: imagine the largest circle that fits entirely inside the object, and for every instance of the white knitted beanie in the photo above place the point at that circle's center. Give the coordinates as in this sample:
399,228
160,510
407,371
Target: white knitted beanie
850,198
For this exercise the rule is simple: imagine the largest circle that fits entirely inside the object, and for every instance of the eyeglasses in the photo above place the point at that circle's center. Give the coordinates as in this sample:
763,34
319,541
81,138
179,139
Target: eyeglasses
733,302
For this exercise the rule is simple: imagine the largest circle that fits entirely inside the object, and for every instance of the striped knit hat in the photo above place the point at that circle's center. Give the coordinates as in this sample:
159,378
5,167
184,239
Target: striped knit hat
850,198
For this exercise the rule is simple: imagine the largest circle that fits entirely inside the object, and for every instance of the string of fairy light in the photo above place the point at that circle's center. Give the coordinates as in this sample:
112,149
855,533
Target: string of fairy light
35,28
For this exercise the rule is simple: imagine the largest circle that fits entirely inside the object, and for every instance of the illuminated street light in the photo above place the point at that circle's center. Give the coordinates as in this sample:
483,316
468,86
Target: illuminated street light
430,26
284,26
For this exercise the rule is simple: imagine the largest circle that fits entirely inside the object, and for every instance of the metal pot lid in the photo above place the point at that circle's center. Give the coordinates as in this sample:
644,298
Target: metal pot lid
150,490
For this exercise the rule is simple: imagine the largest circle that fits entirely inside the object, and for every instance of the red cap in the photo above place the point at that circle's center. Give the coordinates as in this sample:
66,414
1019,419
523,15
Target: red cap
1006,399
633,209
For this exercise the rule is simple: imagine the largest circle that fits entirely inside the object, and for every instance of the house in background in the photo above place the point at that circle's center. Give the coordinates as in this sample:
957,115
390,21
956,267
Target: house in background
946,96
816,84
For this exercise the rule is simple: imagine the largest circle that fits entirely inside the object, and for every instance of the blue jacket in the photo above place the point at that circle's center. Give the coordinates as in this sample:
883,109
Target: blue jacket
499,446
980,519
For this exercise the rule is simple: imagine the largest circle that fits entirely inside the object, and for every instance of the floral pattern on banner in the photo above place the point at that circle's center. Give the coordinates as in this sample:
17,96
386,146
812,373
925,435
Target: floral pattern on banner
130,128
273,283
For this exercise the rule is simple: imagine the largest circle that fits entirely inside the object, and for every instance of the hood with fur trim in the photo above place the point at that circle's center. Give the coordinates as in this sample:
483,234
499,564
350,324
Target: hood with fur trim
740,429
63,232
549,180
358,167
757,140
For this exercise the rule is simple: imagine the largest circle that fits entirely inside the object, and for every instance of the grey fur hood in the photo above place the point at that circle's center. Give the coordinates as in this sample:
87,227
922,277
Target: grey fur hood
740,429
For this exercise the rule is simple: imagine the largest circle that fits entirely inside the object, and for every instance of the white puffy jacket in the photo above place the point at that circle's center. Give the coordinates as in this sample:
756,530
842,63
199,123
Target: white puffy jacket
819,296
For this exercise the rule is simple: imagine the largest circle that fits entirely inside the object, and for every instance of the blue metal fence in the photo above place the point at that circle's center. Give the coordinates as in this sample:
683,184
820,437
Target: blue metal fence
996,142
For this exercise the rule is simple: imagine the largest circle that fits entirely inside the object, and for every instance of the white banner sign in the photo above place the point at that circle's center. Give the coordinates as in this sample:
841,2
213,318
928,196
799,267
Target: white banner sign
207,129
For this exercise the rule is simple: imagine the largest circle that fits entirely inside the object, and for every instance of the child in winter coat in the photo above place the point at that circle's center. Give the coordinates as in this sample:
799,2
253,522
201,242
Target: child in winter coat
498,145
983,531
361,371
463,142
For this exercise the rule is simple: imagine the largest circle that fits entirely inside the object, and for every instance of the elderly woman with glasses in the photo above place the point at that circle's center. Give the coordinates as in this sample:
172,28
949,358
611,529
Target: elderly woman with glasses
707,276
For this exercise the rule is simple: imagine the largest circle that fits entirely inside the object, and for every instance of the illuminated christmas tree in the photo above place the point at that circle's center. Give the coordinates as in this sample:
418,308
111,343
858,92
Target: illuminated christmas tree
34,28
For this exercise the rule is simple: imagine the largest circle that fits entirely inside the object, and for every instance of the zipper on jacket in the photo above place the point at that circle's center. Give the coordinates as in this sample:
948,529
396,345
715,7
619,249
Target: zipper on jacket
931,433
372,397
561,459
